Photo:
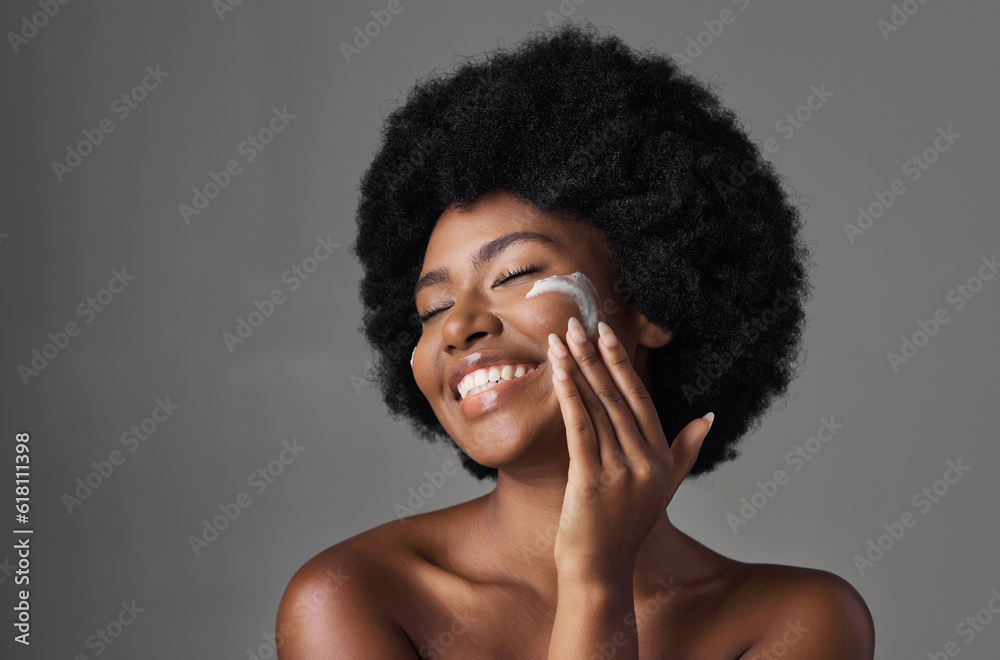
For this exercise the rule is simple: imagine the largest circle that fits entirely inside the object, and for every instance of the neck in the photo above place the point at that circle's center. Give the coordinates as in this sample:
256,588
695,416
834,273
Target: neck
521,519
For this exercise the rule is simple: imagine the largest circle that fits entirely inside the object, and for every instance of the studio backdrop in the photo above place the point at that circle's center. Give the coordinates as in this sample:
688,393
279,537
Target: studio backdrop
183,369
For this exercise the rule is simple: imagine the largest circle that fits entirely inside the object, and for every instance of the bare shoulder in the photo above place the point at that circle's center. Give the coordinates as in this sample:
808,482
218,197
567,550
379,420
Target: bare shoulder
338,604
804,613
353,599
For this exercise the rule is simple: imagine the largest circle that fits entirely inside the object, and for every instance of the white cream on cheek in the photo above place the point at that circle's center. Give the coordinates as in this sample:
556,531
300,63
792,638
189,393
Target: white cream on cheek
580,287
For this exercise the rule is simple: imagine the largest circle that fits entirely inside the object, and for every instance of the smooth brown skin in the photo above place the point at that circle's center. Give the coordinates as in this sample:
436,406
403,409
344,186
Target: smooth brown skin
483,579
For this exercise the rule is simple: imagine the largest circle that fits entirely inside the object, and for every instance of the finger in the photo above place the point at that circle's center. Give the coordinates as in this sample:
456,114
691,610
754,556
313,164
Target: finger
636,395
581,439
626,434
604,432
685,448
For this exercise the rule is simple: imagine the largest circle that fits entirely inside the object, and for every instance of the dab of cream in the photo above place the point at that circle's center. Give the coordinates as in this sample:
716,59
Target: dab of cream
580,287
411,356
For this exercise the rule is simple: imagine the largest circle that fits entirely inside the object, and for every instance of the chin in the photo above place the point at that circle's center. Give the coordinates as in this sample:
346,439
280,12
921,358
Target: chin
506,442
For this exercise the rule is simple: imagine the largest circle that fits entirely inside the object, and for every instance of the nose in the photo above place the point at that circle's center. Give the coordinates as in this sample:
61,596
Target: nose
470,319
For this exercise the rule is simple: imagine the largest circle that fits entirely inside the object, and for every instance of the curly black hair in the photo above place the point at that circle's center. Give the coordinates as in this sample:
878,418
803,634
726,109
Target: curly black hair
575,122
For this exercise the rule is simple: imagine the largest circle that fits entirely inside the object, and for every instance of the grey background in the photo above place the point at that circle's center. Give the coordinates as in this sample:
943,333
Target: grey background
301,374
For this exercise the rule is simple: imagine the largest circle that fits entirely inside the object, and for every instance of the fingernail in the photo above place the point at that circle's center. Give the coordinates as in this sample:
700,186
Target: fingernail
710,416
607,334
558,348
575,331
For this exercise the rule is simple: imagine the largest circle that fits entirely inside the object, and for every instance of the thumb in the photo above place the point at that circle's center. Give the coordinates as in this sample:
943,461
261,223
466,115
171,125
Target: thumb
686,447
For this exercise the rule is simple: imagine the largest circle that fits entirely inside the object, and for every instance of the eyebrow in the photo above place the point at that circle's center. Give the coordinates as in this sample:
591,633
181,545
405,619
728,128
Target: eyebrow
487,252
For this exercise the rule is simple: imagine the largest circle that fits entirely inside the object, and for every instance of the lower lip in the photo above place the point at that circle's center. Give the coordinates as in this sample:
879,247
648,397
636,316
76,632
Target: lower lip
487,400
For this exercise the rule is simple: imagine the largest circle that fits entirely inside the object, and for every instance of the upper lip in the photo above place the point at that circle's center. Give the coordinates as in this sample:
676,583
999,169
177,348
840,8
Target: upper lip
484,358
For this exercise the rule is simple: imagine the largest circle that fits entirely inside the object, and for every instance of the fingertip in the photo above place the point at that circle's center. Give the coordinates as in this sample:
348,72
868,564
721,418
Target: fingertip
607,335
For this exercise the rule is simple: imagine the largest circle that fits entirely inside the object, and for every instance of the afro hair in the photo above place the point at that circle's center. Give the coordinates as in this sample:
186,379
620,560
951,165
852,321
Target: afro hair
575,122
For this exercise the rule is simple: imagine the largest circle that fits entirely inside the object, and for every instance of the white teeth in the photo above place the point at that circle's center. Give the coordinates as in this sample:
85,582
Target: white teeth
487,377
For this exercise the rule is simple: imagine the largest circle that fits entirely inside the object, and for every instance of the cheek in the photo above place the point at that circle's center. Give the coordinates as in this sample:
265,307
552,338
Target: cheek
561,296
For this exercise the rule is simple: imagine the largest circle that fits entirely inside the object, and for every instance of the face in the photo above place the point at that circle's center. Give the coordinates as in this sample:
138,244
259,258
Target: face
479,315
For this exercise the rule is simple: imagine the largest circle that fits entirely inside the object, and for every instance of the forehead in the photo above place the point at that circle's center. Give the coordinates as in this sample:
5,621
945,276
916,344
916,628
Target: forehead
460,232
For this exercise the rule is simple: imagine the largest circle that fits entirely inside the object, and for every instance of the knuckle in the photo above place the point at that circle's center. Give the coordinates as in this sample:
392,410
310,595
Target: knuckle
640,393
571,394
620,360
643,470
594,406
588,359
610,394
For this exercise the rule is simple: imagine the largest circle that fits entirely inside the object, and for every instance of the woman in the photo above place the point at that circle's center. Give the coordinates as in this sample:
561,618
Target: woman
572,255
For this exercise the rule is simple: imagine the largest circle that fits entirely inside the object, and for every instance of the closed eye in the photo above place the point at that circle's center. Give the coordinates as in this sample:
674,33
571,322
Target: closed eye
509,275
516,272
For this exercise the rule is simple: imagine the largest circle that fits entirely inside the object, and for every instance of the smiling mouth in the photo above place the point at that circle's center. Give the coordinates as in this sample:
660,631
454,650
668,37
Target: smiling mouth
487,378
